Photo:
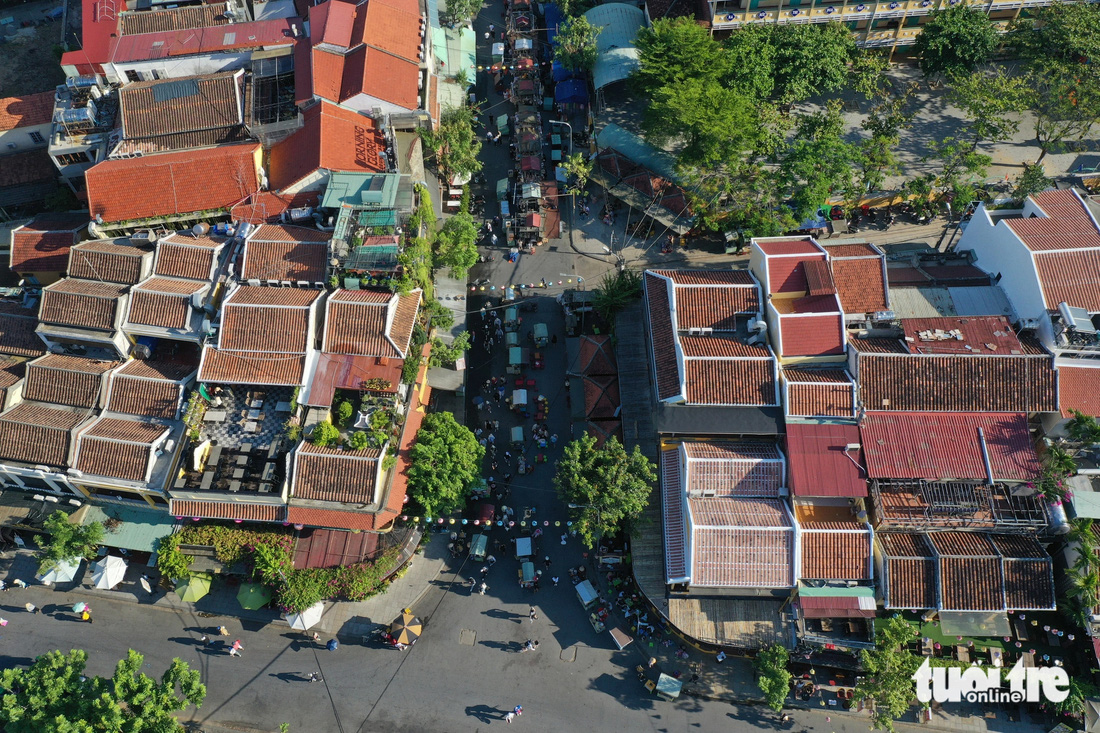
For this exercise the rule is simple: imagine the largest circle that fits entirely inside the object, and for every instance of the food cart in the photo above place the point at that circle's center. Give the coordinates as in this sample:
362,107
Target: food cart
502,189
509,294
526,574
498,53
511,318
668,687
502,124
541,337
525,548
518,358
517,436
621,639
479,547
531,191
587,594
511,338
519,400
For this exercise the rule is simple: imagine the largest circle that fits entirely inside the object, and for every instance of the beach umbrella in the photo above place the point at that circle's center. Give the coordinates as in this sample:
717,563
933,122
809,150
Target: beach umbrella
79,607
62,572
109,572
194,588
307,618
252,596
406,628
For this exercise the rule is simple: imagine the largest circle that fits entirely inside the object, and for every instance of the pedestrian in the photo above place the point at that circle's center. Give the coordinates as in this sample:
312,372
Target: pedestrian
492,438
509,717
235,650
205,640
314,677
31,608
554,339
508,455
484,569
555,579
533,614
491,560
721,656
564,537
85,616
492,27
554,441
487,35
222,631
548,562
518,710
19,583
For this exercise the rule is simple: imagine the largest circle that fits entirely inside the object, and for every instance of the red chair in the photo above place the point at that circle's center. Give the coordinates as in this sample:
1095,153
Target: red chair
519,382
530,384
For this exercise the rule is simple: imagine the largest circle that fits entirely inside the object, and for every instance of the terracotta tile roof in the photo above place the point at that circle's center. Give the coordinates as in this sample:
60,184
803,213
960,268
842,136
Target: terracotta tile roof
148,388
370,322
877,345
66,380
257,34
786,274
730,382
228,510
818,464
595,356
29,110
1067,224
662,337
291,261
836,553
332,138
393,26
181,105
782,247
712,298
37,433
811,335
971,584
383,76
330,474
731,469
172,183
288,233
672,507
957,383
247,367
121,449
910,572
945,445
860,283
819,278
33,166
330,24
1070,277
188,256
741,543
42,245
104,259
163,302
17,333
980,335
266,206
819,392
81,303
1029,584
311,517
1019,547
601,397
206,15
1079,389
854,249
961,544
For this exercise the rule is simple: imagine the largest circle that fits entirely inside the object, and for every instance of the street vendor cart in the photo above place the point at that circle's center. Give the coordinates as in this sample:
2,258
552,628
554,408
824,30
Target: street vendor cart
587,594
526,574
518,359
525,548
517,436
541,337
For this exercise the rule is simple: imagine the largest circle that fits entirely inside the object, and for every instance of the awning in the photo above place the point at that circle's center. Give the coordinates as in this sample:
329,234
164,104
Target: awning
530,163
975,623
534,220
378,218
132,528
837,602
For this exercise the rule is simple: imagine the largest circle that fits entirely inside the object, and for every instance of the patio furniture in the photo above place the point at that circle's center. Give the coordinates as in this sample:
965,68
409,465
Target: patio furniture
238,473
269,471
254,414
242,459
252,427
282,407
215,416
962,654
926,647
234,486
207,480
246,448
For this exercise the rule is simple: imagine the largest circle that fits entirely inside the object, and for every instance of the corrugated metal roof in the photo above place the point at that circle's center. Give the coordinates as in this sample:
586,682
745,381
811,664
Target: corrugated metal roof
818,463
982,300
942,445
137,529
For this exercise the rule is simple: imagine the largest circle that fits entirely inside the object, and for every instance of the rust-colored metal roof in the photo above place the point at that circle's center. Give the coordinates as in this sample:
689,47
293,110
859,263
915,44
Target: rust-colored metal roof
81,304
818,463
206,15
66,380
945,445
959,335
325,548
37,433
107,260
836,553
330,474
243,510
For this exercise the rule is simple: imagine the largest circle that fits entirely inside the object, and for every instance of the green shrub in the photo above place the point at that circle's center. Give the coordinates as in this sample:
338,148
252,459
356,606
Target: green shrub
358,440
325,434
344,412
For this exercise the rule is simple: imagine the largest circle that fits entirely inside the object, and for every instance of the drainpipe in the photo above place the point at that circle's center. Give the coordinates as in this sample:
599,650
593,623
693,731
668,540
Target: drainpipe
985,458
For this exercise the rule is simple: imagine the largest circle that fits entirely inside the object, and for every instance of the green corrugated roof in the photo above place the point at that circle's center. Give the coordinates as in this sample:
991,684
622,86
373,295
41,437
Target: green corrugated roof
857,592
358,189
617,57
139,529
637,150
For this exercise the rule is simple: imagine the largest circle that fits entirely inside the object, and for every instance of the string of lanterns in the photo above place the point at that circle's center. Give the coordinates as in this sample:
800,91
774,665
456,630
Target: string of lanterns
521,286
476,522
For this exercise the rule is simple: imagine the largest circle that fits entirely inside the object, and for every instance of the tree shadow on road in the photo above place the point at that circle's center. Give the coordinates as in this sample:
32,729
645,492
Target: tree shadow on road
760,718
630,693
7,662
484,713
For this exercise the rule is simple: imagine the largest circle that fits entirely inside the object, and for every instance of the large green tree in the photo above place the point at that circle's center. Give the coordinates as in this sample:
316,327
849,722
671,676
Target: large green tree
673,51
773,677
818,160
955,40
578,169
456,244
609,486
460,11
1065,101
67,540
888,672
54,695
1068,32
790,63
713,125
576,44
453,143
444,461
992,100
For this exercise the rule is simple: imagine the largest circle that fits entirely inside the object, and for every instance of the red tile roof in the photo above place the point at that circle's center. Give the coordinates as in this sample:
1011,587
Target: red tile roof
289,233
148,388
17,331
332,138
811,335
180,105
81,304
267,206
267,258
240,509
945,445
741,543
370,322
335,519
860,283
1079,389
1070,277
730,469
42,245
818,392
66,380
909,570
120,449
104,259
331,474
979,335
393,26
330,24
37,433
744,382
839,551
957,383
835,607
601,397
782,247
172,183
30,110
163,302
662,337
595,356
186,255
33,166
818,463
256,34
712,298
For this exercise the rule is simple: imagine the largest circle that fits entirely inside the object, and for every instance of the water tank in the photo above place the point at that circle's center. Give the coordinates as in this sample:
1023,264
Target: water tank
78,116
200,229
81,82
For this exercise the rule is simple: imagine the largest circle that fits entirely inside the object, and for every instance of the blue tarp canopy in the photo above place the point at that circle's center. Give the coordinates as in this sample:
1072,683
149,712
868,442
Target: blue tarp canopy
560,72
572,91
553,17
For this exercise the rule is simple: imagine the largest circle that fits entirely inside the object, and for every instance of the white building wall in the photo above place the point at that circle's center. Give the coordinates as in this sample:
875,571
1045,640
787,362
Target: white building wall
999,251
22,139
174,68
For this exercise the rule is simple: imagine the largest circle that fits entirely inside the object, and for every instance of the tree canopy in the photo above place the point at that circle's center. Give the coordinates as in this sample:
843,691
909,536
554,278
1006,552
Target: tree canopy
460,11
578,168
456,244
1063,32
445,461
673,51
576,44
454,143
773,676
67,540
888,672
54,695
955,40
611,485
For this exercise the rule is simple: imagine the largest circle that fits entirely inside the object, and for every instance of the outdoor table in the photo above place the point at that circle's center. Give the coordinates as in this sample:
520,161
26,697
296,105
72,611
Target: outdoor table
238,473
215,416
234,486
269,472
246,448
254,414
252,427
555,140
555,155
242,460
207,480
282,407
256,403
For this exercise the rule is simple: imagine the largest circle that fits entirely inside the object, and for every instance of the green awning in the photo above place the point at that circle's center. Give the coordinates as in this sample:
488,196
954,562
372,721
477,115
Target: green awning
857,592
129,528
378,218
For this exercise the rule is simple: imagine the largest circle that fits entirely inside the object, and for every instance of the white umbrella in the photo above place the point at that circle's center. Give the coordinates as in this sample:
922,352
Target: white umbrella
62,572
109,572
307,618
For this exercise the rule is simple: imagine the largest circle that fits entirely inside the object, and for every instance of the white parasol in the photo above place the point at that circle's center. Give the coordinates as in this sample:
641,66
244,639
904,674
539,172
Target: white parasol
62,572
307,618
109,572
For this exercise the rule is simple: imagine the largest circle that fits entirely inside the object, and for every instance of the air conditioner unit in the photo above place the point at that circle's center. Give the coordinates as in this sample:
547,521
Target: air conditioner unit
284,283
273,283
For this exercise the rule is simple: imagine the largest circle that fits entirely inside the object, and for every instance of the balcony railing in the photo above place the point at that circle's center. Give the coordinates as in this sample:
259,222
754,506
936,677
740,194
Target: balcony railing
854,11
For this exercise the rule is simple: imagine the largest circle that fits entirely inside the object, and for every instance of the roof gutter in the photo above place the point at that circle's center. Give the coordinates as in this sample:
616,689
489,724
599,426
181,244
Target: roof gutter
985,458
